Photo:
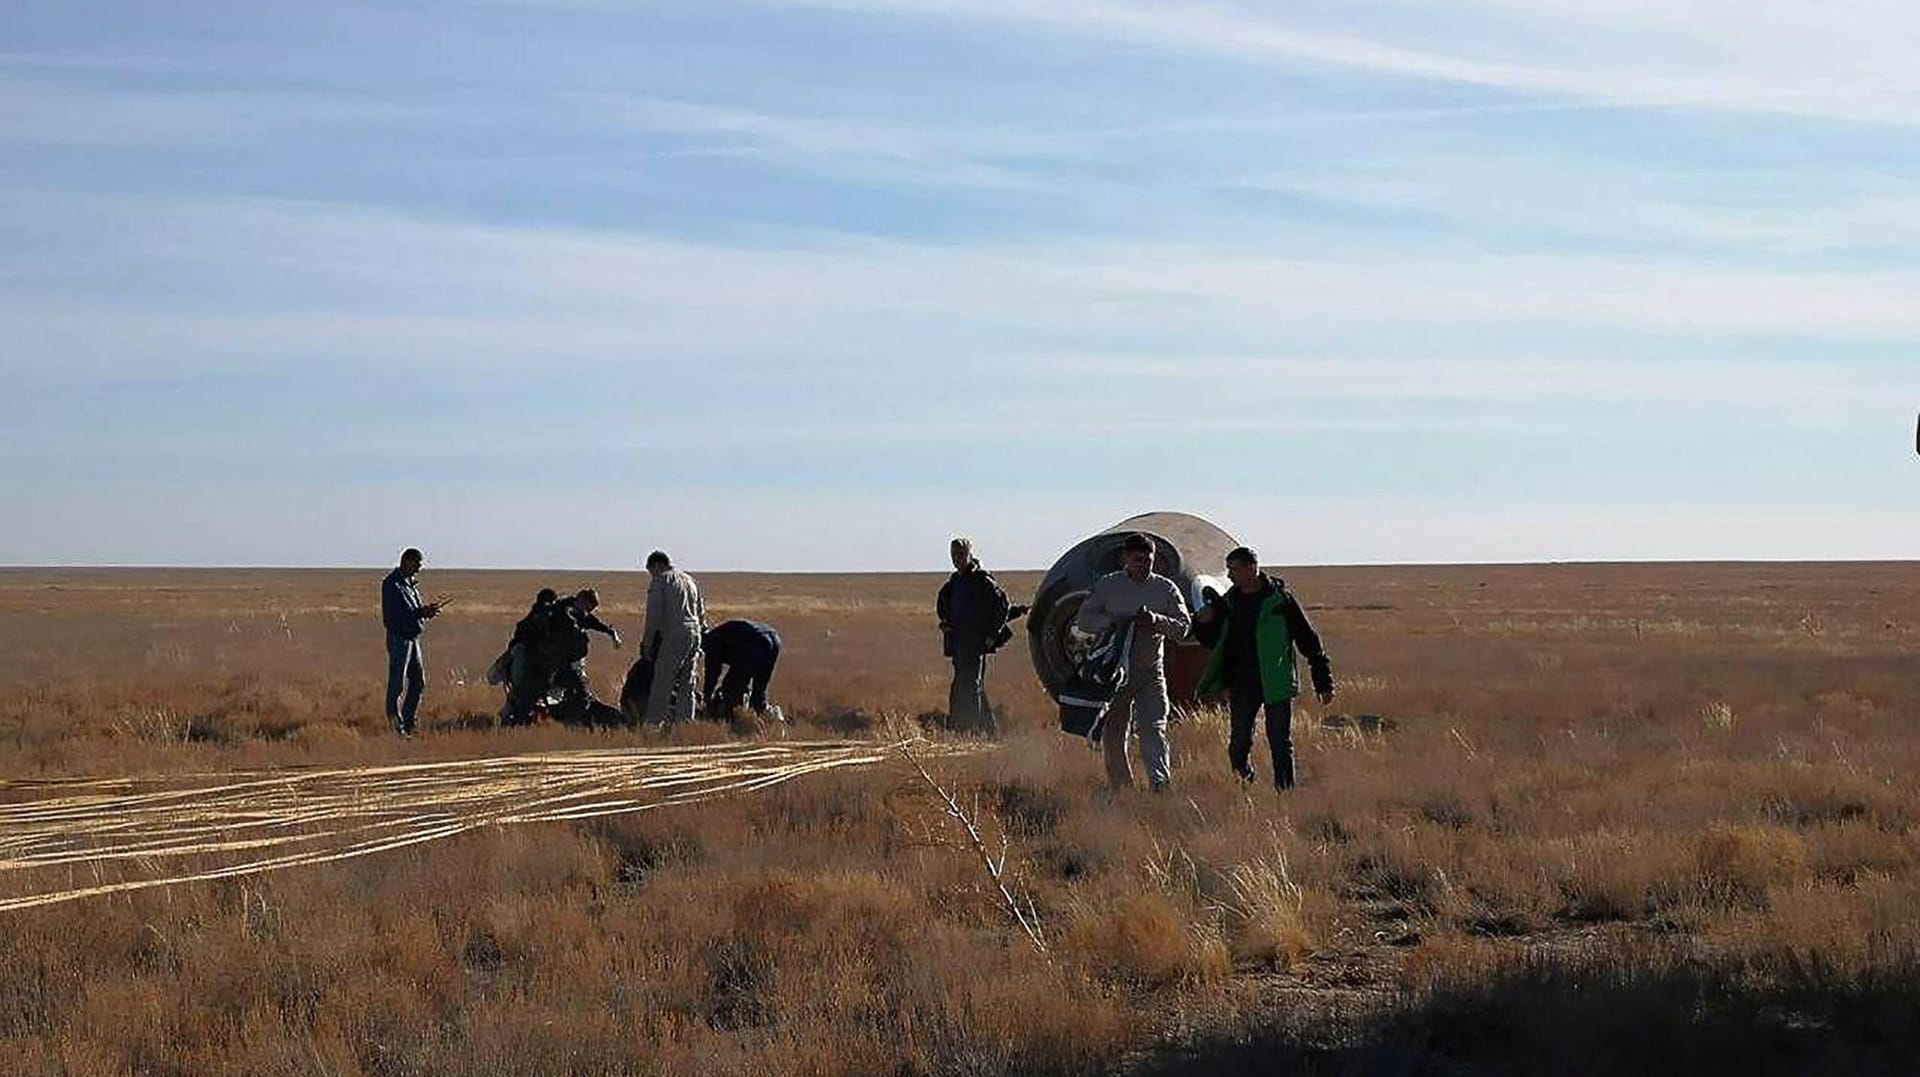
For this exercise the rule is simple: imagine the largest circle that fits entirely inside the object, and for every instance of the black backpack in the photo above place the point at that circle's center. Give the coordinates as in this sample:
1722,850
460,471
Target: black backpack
633,694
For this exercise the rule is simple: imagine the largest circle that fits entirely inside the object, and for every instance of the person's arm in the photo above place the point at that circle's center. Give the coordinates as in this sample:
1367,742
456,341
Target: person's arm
943,606
650,629
1094,617
1001,603
392,610
594,624
1307,641
1210,624
1172,619
712,676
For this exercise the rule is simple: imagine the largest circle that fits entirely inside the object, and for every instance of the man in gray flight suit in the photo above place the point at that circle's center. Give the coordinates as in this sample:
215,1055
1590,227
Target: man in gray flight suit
675,620
1158,612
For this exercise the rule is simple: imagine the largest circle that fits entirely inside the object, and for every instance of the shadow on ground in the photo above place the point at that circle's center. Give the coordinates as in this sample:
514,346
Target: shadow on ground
1543,1019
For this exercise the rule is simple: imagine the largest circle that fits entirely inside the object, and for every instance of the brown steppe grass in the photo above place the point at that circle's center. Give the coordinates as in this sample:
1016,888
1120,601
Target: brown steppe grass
1612,819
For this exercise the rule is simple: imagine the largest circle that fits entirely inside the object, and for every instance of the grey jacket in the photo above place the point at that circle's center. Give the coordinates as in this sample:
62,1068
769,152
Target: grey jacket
1114,600
674,611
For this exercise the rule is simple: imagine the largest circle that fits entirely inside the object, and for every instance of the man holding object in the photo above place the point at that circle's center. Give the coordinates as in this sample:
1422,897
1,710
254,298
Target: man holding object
405,617
1153,603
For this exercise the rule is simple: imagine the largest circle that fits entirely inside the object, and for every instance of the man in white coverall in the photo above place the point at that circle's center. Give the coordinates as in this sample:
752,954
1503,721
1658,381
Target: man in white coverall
675,619
1158,612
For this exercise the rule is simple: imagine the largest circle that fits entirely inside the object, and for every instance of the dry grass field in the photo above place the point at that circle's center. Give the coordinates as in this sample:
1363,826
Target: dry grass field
1614,819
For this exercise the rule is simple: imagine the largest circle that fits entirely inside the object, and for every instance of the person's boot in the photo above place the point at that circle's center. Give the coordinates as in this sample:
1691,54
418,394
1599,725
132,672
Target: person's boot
1283,773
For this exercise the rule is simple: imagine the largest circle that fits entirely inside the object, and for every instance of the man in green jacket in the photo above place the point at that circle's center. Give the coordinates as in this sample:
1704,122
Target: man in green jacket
1254,630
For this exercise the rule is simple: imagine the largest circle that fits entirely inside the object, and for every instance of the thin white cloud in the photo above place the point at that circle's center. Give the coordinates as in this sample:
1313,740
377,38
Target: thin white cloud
260,278
941,155
1845,60
1547,198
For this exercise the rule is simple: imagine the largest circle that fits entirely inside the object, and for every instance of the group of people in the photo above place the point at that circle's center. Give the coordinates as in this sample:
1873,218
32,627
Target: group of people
1254,631
543,668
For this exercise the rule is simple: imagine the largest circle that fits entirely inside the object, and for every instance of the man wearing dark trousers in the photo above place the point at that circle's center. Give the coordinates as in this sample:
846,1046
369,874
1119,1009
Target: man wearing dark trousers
1254,630
748,650
973,610
565,645
405,617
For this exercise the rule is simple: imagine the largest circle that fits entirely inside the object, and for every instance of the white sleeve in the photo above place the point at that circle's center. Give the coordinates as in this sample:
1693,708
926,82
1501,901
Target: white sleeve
1094,617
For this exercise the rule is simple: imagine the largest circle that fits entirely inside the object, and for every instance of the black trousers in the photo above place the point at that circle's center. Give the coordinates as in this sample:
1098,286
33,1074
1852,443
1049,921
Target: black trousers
746,680
967,707
1242,706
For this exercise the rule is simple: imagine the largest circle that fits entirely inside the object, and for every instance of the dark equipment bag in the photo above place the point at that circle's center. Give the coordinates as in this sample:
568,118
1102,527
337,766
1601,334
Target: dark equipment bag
1085,696
633,694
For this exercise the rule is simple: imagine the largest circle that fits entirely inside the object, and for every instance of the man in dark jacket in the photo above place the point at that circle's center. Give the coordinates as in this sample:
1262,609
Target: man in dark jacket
563,648
1254,630
405,618
525,674
748,650
973,615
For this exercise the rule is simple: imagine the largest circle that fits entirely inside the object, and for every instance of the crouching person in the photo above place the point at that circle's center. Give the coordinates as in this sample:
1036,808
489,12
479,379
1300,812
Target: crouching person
747,652
564,656
520,668
1254,630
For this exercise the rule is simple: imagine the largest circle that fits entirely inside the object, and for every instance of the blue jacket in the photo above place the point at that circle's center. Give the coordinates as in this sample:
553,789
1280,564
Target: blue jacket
400,606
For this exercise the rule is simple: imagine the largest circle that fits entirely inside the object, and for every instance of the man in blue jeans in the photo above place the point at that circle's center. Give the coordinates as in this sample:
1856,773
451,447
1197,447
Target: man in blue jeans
1254,630
405,617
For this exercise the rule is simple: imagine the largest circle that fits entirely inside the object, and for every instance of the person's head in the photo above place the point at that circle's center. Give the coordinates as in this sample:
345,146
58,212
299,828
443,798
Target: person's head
411,560
1243,567
658,562
547,596
1136,555
587,599
962,551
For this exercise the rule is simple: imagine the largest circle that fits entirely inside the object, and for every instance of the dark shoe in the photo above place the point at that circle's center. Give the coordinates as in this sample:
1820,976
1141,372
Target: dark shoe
1158,787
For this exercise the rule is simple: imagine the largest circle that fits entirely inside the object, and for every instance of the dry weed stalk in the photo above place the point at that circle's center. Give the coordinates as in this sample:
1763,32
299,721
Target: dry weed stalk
1027,916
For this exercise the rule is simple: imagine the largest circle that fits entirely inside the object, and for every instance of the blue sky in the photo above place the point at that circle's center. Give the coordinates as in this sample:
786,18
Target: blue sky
817,284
